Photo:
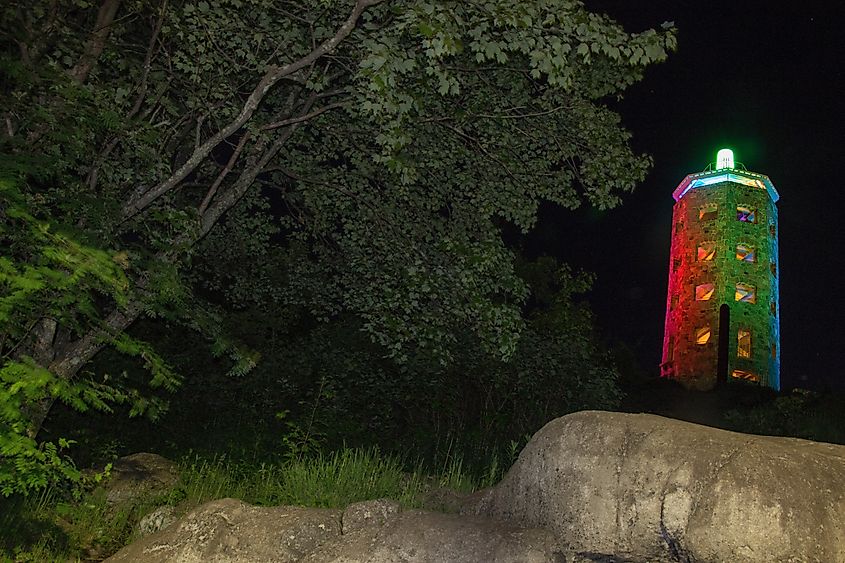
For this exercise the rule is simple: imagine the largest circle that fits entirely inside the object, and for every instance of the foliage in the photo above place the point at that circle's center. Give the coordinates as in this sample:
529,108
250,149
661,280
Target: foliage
336,388
26,465
476,404
50,274
417,131
801,414
44,273
379,149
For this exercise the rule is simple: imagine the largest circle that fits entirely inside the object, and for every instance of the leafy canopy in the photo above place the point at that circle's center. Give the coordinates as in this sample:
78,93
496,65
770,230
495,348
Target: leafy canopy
388,141
395,155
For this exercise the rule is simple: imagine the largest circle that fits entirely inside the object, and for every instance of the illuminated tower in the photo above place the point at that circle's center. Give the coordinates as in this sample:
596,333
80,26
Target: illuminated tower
722,314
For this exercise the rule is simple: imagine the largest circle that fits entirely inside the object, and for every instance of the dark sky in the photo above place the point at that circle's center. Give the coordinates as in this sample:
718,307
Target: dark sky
763,78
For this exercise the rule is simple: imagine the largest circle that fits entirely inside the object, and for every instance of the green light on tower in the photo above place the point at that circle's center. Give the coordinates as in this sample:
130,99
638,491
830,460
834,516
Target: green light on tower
724,159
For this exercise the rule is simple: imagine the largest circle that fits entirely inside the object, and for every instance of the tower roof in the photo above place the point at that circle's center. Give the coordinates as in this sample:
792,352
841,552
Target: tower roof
709,177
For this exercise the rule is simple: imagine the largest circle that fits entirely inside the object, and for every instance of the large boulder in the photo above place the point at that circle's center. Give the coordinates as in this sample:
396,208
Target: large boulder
431,537
374,532
140,475
649,488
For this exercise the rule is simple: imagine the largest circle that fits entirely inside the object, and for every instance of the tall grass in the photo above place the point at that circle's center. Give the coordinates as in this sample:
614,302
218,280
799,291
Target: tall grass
333,480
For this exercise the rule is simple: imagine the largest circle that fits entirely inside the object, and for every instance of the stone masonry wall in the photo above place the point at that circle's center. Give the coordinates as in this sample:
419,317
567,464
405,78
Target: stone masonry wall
707,217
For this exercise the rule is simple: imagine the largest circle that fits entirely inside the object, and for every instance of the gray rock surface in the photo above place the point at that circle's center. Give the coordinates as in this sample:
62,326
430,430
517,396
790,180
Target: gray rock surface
229,530
588,487
444,499
368,514
654,489
375,532
431,537
138,475
156,520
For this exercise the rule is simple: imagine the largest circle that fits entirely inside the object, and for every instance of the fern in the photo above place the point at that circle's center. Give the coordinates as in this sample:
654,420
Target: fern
48,273
162,374
25,464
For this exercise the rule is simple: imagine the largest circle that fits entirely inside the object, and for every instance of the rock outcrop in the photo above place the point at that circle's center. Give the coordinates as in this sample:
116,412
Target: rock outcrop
231,531
655,489
590,486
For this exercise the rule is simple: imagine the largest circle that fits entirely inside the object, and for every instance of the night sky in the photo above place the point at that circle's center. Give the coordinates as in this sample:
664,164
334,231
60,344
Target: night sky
765,79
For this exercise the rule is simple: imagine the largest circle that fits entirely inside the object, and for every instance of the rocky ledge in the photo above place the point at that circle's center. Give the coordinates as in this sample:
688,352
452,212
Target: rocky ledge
590,486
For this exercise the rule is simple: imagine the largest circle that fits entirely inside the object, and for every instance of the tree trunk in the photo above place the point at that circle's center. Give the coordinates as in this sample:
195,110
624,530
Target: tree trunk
66,361
96,41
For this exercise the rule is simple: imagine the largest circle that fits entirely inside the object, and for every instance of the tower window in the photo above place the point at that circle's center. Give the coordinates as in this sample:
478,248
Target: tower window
706,251
670,349
746,214
678,227
773,308
774,351
774,268
772,230
704,292
744,375
746,293
743,343
676,263
708,212
745,253
673,303
702,335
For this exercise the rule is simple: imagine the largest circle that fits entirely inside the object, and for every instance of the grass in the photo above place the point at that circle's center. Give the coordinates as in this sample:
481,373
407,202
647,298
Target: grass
57,525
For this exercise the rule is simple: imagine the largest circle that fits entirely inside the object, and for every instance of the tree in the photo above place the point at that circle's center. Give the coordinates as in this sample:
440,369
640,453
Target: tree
336,388
393,136
48,274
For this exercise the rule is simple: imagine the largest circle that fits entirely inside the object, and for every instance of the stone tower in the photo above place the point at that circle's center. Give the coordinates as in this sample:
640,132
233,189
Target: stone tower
722,311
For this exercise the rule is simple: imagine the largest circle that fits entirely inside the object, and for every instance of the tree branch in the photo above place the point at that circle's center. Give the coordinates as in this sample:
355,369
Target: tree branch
77,354
301,118
484,151
246,179
31,52
96,41
223,173
518,115
80,351
142,198
148,60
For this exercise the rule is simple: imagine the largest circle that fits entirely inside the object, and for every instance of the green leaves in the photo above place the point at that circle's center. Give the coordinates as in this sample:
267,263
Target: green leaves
162,374
25,464
49,273
459,115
